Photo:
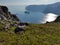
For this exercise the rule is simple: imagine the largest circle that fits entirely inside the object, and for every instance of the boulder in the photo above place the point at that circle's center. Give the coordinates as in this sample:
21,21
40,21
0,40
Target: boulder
18,30
21,24
4,9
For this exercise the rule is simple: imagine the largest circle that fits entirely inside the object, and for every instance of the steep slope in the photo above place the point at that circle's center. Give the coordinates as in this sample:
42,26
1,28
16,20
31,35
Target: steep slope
7,20
5,13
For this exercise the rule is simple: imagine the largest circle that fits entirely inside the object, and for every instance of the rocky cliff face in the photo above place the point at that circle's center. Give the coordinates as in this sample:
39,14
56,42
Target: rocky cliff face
6,15
10,21
6,18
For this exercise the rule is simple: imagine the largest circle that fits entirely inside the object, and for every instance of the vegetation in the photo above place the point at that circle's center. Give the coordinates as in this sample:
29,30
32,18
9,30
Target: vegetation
34,34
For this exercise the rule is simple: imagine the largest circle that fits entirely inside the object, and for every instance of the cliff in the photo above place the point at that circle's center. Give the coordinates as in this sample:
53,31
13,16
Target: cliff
7,20
6,15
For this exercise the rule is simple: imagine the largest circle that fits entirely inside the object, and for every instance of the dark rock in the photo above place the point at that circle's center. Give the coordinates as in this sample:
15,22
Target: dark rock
27,12
15,17
4,9
18,30
26,24
21,24
47,22
57,19
6,14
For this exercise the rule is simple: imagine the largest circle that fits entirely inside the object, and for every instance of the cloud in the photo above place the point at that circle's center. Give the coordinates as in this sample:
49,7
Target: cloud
26,2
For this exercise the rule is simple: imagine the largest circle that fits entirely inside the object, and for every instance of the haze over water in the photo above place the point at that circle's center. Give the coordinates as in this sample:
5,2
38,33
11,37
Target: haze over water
33,17
18,7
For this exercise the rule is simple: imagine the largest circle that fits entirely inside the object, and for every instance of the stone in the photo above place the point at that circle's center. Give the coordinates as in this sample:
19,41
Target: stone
18,30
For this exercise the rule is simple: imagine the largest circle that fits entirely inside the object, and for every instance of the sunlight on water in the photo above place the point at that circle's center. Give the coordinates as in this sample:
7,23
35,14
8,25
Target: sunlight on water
50,17
33,17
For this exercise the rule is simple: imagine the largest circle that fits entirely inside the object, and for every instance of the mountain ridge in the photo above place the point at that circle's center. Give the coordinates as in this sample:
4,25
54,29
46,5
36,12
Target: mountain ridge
50,8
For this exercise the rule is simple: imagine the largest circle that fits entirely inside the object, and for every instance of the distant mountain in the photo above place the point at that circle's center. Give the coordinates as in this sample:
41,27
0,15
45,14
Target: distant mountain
53,8
36,8
50,8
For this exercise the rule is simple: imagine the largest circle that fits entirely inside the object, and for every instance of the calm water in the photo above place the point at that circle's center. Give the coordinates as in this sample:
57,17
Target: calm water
33,17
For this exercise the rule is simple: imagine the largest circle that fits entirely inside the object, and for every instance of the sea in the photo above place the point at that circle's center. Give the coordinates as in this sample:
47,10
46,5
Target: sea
33,17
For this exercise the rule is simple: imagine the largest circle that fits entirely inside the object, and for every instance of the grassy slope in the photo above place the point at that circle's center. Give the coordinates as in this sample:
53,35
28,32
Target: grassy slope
35,34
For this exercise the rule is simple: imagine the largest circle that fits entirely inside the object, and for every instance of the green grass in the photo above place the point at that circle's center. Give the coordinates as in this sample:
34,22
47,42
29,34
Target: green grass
35,34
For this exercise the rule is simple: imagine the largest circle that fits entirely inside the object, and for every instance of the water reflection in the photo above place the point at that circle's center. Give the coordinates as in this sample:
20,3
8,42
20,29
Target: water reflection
32,17
50,17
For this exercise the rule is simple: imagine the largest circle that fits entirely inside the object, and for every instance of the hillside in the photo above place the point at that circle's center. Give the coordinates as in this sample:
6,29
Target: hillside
34,34
7,20
45,9
30,34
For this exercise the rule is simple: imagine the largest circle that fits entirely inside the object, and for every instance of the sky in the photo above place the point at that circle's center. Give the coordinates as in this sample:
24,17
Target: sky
26,2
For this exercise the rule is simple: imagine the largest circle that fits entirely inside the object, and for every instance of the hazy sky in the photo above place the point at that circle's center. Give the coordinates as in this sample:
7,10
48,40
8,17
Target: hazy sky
26,2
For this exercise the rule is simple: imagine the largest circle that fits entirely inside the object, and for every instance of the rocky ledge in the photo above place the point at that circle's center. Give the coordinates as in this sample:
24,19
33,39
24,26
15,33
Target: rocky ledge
9,20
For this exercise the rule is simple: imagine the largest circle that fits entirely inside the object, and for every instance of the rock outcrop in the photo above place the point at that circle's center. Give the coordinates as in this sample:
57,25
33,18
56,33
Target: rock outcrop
18,30
7,19
15,18
6,15
4,9
57,19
